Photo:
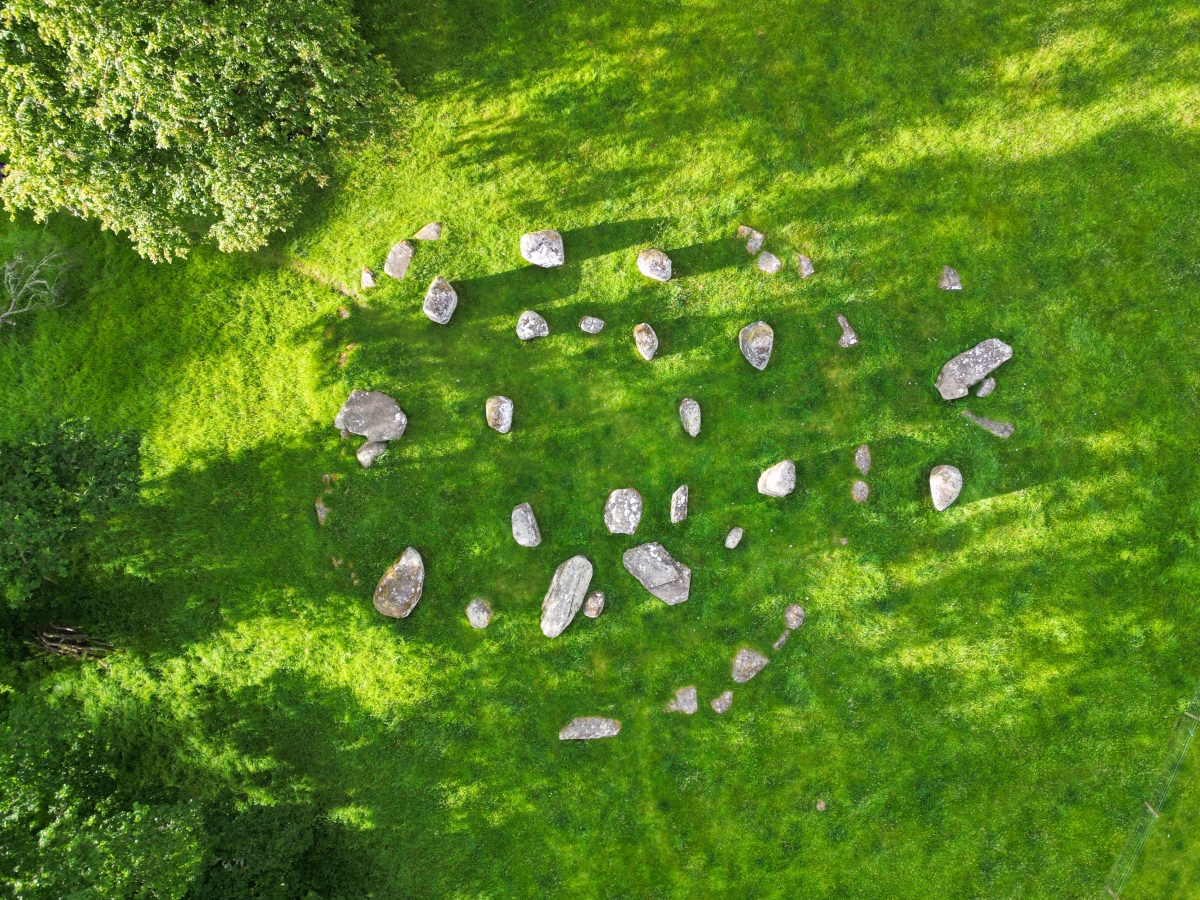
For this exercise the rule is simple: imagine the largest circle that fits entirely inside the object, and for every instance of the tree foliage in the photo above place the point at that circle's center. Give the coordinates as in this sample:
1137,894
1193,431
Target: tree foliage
175,119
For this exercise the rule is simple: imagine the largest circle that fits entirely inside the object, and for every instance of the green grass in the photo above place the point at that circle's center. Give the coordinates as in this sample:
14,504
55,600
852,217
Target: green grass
983,696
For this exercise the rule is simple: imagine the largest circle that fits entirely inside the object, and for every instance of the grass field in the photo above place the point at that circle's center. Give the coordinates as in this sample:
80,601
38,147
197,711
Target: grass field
981,696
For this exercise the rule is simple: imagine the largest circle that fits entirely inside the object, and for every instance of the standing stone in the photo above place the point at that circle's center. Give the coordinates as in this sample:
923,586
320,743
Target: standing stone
860,491
322,511
985,387
499,411
372,414
945,482
369,452
679,504
999,429
805,266
479,614
722,704
747,664
685,701
862,458
793,616
524,526
754,239
398,259
568,587
769,262
623,511
950,280
530,325
661,574
366,280
594,604
430,232
440,301
589,728
848,338
779,480
645,340
756,341
734,538
971,367
543,248
591,324
654,264
689,415
399,590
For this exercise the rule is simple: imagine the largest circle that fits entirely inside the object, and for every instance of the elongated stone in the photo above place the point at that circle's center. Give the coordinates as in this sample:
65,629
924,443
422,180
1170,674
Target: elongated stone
525,527
430,232
679,504
999,429
499,413
848,338
971,367
398,259
689,416
645,340
734,538
589,728
862,458
568,588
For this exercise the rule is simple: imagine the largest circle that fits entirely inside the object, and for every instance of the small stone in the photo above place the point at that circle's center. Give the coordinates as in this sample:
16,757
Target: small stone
950,280
679,504
769,262
589,728
971,367
372,414
430,232
440,301
322,511
820,806
860,491
479,614
985,387
685,701
805,266
848,338
780,641
862,458
999,429
525,527
734,538
754,239
499,411
654,264
367,279
779,480
399,590
645,340
689,415
342,359
591,324
945,483
756,341
531,326
658,572
343,313
369,452
568,587
594,604
793,616
623,511
722,704
398,259
747,664
543,248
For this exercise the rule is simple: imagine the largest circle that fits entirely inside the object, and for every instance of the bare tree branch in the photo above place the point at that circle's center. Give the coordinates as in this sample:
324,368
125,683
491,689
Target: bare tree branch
32,285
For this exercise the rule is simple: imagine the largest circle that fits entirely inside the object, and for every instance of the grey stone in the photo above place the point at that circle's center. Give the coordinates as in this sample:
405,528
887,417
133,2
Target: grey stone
322,511
689,415
754,239
769,262
623,511
369,452
779,480
722,704
860,491
999,429
733,538
591,324
430,232
440,301
793,616
756,341
805,266
862,458
568,587
398,259
372,414
594,604
971,367
848,338
685,701
499,412
645,340
945,483
366,280
589,728
679,504
654,264
820,806
747,664
661,574
530,325
399,590
781,640
950,280
543,248
985,387
479,614
524,526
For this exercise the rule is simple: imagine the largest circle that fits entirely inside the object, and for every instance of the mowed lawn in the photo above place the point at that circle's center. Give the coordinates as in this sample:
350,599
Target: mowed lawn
982,697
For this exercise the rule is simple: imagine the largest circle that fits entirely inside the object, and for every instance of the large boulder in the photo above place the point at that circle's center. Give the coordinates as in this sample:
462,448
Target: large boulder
950,280
756,341
568,588
440,301
398,259
779,480
591,325
970,368
623,511
645,340
479,614
525,527
848,338
689,415
654,264
543,248
373,414
499,412
531,325
685,701
999,429
945,483
589,728
661,574
679,504
747,664
399,590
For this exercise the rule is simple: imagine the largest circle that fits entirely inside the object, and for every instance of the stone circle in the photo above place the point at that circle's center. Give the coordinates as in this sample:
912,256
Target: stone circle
945,483
756,341
543,248
479,614
594,604
734,538
524,526
722,704
658,572
499,412
685,701
398,259
645,340
679,504
531,325
589,728
950,280
971,367
747,664
768,262
689,416
779,480
440,301
591,325
400,588
568,587
623,511
654,264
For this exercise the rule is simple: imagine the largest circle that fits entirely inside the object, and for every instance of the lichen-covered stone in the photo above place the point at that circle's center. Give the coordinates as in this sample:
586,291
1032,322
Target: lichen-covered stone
769,262
779,480
525,527
756,341
945,483
862,458
623,511
369,452
793,616
430,232
398,259
531,325
660,573
747,664
722,704
689,416
860,491
848,338
645,340
400,588
804,266
543,248
589,728
594,604
971,367
479,614
679,504
685,701
372,414
499,413
567,590
950,280
733,538
440,301
999,429
654,264
591,325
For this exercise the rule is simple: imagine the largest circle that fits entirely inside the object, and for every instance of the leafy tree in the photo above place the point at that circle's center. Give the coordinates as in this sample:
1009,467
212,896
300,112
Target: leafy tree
173,119
56,483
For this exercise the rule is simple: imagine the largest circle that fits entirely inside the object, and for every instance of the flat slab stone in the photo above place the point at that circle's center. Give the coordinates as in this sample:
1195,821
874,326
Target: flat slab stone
543,248
660,573
654,264
531,325
594,604
400,588
645,340
769,262
679,504
862,458
971,367
591,324
793,616
950,280
398,259
440,301
568,587
589,728
747,664
754,239
479,614
945,483
369,452
722,704
430,232
366,280
999,429
848,338
372,414
779,480
756,341
734,538
804,266
685,701
689,416
860,491
623,511
985,387
499,412
524,526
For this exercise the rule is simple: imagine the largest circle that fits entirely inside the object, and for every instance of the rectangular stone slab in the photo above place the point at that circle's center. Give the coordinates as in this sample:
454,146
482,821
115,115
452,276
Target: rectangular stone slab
660,573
